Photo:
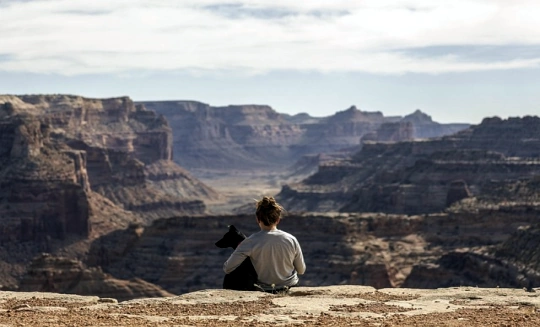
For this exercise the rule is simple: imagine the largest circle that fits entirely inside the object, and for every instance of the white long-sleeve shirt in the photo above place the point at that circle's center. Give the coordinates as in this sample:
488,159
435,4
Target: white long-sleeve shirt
276,257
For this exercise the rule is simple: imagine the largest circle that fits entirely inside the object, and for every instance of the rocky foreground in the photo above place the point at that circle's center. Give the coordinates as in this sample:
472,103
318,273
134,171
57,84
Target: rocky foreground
304,306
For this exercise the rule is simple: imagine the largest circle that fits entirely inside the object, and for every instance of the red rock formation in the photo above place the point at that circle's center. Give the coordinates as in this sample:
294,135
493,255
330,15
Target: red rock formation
420,176
255,137
425,127
116,140
48,273
391,132
73,168
44,189
379,250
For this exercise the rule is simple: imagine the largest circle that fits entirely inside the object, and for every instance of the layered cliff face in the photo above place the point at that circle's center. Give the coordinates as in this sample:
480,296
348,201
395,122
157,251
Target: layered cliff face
44,193
459,174
425,176
255,137
379,250
225,137
425,127
514,262
48,273
118,141
115,124
44,187
73,169
522,250
391,132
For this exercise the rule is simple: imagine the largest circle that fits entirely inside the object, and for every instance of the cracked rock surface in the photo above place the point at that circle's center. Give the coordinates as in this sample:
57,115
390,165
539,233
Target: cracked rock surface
342,305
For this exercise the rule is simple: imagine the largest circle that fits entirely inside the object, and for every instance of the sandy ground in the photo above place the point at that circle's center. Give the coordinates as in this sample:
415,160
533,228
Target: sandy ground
303,306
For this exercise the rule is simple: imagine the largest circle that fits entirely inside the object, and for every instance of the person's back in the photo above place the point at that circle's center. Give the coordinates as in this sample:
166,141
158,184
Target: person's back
275,254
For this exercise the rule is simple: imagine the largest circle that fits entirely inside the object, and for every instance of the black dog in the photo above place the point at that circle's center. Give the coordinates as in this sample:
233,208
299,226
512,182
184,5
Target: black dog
244,277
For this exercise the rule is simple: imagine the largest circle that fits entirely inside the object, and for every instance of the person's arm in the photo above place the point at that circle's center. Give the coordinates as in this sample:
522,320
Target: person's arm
237,257
298,262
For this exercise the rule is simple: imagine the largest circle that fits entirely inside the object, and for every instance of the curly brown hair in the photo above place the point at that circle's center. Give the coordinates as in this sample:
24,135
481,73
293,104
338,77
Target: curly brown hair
268,211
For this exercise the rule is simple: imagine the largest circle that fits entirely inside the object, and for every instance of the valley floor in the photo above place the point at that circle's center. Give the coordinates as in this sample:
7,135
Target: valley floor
239,188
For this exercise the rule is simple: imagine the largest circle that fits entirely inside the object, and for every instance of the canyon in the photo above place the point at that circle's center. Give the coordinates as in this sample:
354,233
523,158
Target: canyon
248,137
414,177
125,199
379,250
77,168
108,149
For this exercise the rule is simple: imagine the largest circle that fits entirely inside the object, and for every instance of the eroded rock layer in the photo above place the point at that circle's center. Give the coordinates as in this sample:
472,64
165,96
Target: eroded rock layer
48,273
44,186
427,176
109,146
378,250
73,168
256,136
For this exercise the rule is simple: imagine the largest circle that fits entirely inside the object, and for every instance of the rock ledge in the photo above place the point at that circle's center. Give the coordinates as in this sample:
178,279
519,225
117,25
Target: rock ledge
342,305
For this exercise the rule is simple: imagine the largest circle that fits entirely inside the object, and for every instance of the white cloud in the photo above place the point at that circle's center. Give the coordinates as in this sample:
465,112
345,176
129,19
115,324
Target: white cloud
78,37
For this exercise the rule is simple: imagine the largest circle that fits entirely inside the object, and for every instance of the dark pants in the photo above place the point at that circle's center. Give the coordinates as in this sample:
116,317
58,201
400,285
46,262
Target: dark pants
280,290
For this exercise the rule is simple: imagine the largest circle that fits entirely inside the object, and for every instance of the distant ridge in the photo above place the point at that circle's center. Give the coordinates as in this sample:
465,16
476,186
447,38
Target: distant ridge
415,177
258,137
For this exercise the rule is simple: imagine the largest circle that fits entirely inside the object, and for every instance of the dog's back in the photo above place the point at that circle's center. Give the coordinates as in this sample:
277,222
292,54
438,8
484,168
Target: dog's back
244,277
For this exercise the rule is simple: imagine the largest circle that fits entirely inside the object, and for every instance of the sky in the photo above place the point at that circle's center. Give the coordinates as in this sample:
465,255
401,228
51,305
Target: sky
456,60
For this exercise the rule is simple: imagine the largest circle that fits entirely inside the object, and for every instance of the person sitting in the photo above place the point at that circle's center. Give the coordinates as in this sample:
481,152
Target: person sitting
276,255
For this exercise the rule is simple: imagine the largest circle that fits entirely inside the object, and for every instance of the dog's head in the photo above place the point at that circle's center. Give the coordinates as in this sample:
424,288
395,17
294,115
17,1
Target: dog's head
231,239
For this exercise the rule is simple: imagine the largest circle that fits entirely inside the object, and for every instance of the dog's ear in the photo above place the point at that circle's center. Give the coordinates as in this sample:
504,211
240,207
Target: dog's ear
232,228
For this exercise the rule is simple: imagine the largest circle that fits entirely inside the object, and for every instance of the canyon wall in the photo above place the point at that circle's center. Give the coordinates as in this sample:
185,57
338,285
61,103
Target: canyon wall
72,169
416,177
94,180
116,147
49,273
256,136
380,250
44,189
